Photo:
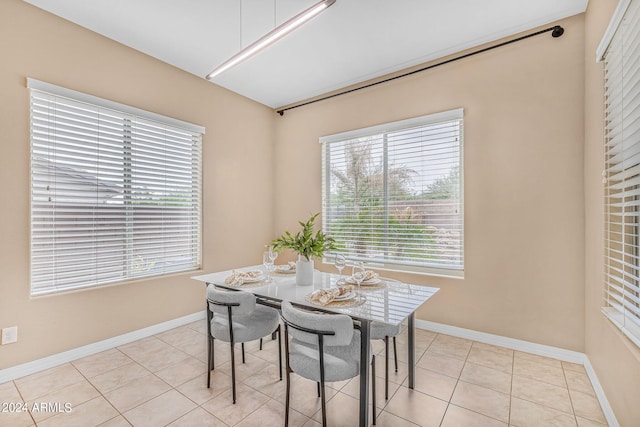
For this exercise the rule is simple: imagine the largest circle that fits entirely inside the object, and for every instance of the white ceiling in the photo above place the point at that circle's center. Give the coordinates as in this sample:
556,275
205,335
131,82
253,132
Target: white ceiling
352,41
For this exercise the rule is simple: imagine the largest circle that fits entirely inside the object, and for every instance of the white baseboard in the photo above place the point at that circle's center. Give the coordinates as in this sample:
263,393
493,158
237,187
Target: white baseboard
529,347
602,398
28,368
512,343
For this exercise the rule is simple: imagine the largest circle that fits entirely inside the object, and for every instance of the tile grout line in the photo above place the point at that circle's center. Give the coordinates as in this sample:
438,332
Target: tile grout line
466,382
457,381
23,400
120,414
401,385
573,410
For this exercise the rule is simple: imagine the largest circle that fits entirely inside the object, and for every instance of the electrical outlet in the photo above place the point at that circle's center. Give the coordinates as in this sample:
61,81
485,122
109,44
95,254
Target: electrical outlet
9,335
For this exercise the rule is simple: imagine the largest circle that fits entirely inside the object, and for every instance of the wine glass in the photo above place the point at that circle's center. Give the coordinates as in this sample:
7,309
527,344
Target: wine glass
268,264
358,274
273,255
340,263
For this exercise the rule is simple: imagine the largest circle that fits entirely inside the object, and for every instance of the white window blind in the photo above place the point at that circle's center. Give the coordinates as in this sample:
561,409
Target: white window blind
622,174
392,194
115,193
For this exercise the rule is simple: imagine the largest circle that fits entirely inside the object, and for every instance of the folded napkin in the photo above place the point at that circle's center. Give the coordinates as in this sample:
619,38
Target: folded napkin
290,266
238,278
326,296
368,275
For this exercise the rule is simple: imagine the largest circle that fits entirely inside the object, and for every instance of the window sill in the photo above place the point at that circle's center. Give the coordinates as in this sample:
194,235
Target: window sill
627,327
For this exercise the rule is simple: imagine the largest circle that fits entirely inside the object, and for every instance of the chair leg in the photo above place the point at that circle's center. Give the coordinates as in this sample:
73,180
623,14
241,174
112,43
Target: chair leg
210,344
260,344
386,368
318,387
209,360
242,345
395,353
321,383
324,402
286,402
373,387
213,353
279,352
288,373
233,374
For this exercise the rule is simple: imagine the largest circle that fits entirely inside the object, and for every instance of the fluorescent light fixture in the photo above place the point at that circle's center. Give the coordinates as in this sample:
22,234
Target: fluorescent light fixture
272,37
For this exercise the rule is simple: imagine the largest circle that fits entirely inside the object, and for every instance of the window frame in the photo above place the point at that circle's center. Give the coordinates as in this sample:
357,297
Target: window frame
384,129
621,170
168,212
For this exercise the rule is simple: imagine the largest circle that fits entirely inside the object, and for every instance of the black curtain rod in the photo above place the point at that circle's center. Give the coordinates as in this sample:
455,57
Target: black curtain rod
557,31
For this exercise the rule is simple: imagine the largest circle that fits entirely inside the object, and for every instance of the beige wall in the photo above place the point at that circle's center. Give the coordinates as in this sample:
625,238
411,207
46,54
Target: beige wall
533,197
615,359
523,124
239,138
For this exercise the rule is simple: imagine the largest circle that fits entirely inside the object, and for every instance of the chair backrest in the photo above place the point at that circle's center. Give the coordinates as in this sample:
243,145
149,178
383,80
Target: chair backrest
219,300
336,328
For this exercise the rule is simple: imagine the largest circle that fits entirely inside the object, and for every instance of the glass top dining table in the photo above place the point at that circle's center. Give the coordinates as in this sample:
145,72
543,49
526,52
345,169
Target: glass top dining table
387,301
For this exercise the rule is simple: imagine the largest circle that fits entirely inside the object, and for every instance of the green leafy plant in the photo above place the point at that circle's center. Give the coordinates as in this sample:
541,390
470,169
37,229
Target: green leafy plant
304,242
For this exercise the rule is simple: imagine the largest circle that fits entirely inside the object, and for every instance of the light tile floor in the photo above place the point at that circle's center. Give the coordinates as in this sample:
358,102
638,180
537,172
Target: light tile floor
161,380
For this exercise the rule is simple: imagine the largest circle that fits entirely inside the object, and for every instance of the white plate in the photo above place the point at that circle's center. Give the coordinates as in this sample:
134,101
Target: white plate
352,281
285,269
346,296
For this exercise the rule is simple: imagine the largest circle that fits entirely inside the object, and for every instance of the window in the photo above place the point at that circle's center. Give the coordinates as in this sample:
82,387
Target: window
392,194
115,192
621,53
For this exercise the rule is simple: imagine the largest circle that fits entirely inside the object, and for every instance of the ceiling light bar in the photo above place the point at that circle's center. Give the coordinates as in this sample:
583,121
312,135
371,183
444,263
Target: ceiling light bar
270,38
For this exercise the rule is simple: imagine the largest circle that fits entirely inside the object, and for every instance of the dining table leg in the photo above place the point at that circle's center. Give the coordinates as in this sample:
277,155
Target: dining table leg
411,344
364,372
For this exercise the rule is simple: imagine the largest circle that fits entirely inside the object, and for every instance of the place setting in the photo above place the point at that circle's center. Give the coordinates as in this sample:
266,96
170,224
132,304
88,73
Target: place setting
245,278
288,268
347,291
255,278
364,279
338,296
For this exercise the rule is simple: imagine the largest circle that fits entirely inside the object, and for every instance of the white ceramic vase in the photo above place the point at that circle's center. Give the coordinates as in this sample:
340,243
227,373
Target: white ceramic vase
304,271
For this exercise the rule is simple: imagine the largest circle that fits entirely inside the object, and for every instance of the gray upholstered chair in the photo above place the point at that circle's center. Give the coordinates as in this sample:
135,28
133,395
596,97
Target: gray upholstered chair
383,331
323,348
234,316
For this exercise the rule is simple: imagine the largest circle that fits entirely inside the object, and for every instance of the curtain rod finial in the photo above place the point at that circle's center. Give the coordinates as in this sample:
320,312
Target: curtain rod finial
557,31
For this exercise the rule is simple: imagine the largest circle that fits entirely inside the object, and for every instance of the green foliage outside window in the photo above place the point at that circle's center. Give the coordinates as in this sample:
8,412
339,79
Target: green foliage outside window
385,221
